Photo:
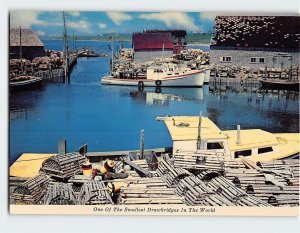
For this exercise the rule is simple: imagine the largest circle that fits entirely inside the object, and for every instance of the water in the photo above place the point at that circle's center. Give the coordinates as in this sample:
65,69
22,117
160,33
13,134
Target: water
111,117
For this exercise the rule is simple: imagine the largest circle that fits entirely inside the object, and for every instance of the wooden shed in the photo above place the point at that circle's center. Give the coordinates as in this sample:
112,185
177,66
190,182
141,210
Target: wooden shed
31,45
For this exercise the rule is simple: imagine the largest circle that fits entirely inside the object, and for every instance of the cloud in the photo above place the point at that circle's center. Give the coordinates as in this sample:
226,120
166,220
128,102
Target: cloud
118,17
81,24
208,16
26,19
74,13
102,25
40,33
172,19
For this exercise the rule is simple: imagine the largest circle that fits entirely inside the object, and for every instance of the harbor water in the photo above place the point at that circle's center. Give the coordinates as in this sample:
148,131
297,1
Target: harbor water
110,118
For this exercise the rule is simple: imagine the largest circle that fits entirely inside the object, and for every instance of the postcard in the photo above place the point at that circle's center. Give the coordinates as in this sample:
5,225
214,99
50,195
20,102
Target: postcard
153,113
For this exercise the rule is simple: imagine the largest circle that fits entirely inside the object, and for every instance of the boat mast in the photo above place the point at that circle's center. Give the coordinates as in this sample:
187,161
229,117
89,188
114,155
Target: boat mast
20,51
162,53
65,43
112,54
199,132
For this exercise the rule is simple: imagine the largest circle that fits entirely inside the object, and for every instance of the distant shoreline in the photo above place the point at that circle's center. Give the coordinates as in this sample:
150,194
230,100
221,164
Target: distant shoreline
193,43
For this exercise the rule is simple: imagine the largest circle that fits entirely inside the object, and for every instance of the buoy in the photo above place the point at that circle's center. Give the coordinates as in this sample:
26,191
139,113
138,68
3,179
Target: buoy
107,166
87,169
115,187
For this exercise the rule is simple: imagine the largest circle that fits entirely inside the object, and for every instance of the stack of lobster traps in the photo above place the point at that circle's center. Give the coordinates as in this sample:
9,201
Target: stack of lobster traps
32,191
63,166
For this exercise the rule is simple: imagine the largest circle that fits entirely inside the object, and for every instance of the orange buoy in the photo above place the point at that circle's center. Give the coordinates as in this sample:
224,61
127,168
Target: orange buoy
107,166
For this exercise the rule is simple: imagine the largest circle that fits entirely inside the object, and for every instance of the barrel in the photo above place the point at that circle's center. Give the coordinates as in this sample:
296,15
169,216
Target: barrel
107,166
87,169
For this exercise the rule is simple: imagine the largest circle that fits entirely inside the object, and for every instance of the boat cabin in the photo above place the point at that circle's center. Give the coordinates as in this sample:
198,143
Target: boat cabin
160,71
255,144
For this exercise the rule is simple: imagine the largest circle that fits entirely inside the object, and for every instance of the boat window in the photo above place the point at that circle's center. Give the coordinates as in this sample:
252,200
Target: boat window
170,69
264,150
169,74
214,145
242,153
176,73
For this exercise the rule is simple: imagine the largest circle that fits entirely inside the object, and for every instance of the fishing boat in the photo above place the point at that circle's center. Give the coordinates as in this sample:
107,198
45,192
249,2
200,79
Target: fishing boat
24,82
201,135
280,84
161,75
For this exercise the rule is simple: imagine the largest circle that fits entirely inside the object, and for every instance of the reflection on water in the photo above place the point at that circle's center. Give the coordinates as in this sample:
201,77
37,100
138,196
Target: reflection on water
163,96
111,117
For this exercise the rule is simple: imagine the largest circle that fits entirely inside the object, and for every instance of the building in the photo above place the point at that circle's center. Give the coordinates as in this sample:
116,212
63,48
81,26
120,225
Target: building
31,45
152,44
256,41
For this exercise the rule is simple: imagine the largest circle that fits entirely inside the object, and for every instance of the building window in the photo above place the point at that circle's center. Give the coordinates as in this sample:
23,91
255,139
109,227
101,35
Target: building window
265,150
215,145
257,60
226,59
242,153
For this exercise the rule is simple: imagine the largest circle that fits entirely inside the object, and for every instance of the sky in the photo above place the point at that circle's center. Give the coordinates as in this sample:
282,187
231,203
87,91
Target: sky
50,23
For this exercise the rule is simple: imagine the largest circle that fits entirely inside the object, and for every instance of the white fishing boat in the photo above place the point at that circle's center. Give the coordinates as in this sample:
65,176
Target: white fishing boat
190,134
161,75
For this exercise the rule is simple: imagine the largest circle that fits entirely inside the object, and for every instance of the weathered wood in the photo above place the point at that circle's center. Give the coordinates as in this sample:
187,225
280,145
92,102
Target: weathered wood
141,171
31,191
63,166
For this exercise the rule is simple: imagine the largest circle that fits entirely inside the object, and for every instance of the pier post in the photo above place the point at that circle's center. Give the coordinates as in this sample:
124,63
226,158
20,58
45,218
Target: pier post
62,147
142,145
238,134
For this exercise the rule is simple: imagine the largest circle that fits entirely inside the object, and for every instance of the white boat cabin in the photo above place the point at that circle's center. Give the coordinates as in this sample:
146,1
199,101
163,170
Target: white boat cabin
158,72
256,144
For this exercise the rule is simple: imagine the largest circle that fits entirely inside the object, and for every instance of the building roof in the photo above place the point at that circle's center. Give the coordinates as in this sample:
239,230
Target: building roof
152,41
257,31
28,38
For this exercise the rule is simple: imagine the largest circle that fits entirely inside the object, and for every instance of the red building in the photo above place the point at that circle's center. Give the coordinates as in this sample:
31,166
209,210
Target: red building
152,44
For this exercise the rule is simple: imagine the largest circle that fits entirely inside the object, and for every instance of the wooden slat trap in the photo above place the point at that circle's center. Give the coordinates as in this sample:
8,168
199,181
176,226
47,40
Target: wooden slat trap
60,194
32,191
94,193
63,166
276,187
148,191
170,174
205,160
77,182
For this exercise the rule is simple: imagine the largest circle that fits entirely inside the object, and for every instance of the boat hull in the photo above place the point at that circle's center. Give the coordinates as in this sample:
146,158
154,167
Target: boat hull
191,80
25,85
280,85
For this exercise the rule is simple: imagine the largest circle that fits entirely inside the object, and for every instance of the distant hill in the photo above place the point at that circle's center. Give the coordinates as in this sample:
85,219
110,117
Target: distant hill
191,37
